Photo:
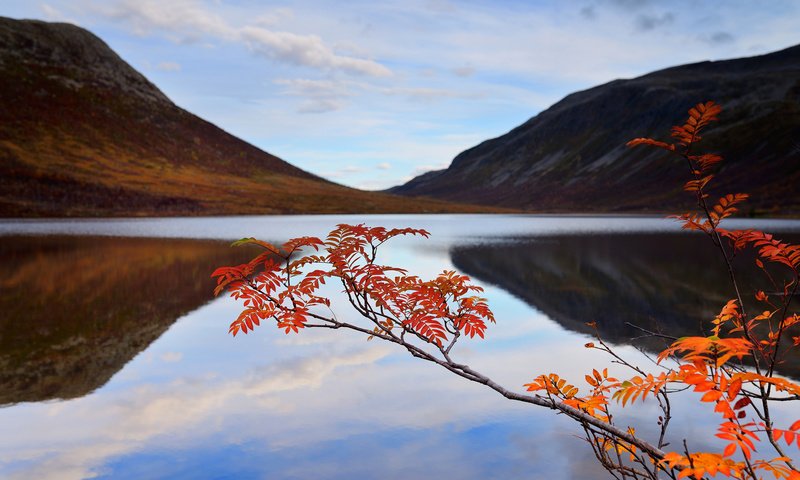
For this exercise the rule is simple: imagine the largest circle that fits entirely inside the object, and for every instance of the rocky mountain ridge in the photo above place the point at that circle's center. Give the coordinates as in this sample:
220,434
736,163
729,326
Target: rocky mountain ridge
572,156
82,133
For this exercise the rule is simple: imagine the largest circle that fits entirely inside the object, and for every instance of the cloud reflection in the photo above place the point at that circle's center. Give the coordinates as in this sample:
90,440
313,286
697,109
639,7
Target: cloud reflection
323,404
321,396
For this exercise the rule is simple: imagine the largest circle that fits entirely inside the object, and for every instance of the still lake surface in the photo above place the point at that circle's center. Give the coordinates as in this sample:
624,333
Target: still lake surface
115,361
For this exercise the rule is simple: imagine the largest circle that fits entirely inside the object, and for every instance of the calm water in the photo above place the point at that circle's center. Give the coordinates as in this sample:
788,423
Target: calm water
115,362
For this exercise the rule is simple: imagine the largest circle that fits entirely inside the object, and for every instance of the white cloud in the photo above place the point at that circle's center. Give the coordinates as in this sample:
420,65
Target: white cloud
320,105
305,86
190,21
274,17
169,66
441,6
384,166
428,94
306,50
171,357
53,14
319,96
629,4
185,20
465,71
331,95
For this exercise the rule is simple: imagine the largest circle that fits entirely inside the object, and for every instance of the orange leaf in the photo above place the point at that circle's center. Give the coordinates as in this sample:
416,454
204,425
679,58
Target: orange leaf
734,388
650,141
711,396
729,450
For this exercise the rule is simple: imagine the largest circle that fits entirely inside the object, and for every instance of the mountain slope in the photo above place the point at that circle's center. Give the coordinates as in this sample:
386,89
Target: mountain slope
82,133
571,157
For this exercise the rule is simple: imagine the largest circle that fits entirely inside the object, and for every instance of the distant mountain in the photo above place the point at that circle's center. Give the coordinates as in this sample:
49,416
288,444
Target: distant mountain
83,134
571,157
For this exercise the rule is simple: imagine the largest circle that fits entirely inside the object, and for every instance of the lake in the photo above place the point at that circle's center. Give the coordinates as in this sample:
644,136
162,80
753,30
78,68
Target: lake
116,362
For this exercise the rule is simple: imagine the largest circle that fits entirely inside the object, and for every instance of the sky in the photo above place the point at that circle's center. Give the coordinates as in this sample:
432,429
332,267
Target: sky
370,94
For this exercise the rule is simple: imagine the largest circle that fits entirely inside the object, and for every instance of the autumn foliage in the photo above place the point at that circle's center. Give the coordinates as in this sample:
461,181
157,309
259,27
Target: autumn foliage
436,311
731,367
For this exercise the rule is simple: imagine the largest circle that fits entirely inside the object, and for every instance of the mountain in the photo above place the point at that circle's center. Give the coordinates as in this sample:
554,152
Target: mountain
83,134
572,156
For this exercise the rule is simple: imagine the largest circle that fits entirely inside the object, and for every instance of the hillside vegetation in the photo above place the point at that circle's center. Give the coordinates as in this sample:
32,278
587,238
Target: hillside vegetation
84,134
572,157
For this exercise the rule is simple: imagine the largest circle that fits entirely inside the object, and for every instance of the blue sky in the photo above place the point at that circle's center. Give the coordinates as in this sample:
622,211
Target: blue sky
369,94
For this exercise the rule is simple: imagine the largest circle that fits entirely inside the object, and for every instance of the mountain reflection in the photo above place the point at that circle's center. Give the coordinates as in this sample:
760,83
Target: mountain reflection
669,283
75,310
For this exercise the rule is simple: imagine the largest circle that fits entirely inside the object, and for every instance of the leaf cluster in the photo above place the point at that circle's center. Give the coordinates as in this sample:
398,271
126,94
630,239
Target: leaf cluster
281,284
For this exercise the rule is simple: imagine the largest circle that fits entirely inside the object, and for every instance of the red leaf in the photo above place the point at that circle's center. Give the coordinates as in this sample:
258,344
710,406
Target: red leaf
741,403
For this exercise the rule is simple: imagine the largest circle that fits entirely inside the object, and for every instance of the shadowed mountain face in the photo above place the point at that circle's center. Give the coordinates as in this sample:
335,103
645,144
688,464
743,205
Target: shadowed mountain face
572,156
667,283
75,310
84,134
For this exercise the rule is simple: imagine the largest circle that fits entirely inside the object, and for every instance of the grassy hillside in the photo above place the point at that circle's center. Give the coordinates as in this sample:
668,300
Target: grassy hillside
84,134
572,156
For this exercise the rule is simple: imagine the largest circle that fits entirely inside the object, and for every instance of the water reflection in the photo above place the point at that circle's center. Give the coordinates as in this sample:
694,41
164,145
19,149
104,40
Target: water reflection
75,310
192,402
668,283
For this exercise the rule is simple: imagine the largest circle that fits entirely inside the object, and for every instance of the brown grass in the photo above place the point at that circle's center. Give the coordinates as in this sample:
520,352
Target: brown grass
93,151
